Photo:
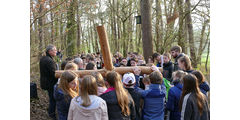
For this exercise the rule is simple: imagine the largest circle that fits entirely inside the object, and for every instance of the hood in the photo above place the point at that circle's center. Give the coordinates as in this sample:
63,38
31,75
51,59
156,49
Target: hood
58,93
179,86
188,71
167,64
204,86
180,55
101,90
90,110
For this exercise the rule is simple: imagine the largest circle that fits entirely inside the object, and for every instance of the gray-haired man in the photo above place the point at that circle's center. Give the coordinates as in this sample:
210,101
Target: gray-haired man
47,77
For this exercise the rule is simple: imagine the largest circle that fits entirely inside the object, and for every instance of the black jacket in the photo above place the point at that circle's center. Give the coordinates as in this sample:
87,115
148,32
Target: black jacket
190,109
168,70
176,62
188,71
114,110
136,98
47,72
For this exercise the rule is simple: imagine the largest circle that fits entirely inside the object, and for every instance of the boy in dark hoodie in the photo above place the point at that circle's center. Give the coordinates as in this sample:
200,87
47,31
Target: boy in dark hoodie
129,82
167,66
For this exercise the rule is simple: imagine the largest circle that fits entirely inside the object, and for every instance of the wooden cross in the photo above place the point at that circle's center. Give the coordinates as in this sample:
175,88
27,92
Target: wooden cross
103,40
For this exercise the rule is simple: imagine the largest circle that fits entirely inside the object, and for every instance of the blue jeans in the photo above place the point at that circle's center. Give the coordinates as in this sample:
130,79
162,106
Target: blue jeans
52,104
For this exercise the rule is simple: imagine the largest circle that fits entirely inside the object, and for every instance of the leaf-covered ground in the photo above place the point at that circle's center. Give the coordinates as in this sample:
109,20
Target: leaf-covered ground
38,107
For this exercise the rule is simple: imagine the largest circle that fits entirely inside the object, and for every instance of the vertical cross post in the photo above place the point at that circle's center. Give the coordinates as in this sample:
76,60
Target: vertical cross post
105,50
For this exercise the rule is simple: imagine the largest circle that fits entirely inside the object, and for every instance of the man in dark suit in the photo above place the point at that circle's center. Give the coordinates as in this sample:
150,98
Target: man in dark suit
47,77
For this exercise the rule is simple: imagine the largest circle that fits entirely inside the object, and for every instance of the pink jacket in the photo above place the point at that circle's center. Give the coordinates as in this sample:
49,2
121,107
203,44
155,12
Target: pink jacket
96,111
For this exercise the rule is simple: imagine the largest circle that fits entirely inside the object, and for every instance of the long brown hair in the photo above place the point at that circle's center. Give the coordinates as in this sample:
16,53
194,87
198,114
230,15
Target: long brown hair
186,61
99,79
67,77
199,76
88,87
114,80
190,85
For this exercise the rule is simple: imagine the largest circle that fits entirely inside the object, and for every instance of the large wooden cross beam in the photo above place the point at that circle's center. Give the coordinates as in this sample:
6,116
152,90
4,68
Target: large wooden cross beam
107,58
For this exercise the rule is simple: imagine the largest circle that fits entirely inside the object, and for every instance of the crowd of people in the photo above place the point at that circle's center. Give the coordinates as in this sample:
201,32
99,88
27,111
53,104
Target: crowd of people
176,93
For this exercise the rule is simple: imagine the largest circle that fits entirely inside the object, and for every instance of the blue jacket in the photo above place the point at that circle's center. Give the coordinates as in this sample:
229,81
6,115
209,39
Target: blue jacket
174,95
154,99
62,102
204,87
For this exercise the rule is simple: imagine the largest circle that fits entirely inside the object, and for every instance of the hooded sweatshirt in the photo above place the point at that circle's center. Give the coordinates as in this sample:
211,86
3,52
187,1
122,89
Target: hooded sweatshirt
176,62
62,102
96,111
168,70
204,87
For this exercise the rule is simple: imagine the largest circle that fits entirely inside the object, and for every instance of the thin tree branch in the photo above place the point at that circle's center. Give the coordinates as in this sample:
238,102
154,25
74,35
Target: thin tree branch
47,12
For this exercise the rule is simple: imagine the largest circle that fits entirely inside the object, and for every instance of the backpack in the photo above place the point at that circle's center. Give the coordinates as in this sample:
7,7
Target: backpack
33,90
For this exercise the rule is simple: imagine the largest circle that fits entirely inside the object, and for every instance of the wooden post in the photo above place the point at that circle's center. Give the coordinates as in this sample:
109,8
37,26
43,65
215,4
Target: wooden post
120,70
103,40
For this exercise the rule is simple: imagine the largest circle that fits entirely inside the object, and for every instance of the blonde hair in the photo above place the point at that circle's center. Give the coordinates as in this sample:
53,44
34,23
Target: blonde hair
114,80
71,66
66,78
99,79
88,87
179,74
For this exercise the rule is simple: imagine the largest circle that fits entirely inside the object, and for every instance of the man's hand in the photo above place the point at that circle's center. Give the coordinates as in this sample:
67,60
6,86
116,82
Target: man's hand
154,68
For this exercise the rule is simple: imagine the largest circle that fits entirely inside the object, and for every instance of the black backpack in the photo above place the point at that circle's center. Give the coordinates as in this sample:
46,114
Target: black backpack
33,90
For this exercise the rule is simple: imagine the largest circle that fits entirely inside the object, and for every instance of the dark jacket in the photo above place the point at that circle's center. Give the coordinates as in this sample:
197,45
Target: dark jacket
47,72
204,87
154,99
174,95
188,71
114,110
159,64
62,102
190,109
176,62
139,82
168,70
136,98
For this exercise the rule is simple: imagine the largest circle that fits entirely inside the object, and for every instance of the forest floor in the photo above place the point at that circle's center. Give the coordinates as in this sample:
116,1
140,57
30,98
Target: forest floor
38,107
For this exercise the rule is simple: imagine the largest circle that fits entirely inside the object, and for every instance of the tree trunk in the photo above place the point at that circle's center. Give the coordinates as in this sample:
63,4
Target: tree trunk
78,29
159,26
206,64
181,36
190,34
52,19
71,41
146,28
40,31
201,47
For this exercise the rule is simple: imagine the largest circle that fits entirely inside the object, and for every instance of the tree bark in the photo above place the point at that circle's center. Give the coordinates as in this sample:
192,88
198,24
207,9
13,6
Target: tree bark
190,34
181,36
71,36
146,28
40,31
78,29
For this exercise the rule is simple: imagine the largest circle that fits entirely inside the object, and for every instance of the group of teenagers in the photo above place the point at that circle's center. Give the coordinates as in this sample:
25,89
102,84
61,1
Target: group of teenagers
176,93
